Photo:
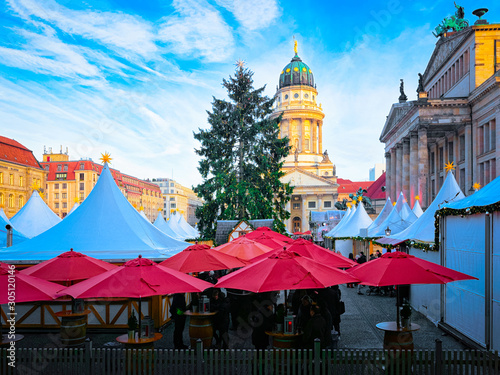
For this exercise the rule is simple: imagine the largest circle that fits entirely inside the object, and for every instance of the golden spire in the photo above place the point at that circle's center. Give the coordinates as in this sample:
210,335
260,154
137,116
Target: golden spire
295,46
106,158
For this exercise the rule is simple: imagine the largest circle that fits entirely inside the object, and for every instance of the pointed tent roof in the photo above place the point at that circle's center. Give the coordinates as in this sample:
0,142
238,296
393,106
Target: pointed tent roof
358,220
417,209
17,237
422,230
342,221
75,206
143,215
173,224
162,225
187,228
381,216
483,197
35,217
105,226
399,219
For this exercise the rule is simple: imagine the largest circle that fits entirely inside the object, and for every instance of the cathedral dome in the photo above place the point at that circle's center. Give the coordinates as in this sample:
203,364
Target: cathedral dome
296,73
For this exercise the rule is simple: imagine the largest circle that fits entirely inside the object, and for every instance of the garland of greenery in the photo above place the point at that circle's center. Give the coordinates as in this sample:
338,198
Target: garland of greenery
417,245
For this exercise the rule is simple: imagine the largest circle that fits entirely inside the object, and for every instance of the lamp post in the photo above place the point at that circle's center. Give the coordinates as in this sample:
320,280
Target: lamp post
387,231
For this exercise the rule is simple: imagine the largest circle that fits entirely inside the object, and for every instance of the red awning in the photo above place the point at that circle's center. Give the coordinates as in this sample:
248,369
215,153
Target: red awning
389,241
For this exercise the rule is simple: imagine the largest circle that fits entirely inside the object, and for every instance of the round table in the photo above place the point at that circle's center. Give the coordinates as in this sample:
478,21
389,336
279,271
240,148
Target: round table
139,361
139,343
200,327
397,337
73,327
284,341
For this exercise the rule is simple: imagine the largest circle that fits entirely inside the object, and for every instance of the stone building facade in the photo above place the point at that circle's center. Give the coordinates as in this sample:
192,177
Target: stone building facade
453,119
308,168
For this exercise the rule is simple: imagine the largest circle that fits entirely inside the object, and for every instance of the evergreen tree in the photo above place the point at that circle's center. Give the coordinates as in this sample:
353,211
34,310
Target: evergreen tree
241,158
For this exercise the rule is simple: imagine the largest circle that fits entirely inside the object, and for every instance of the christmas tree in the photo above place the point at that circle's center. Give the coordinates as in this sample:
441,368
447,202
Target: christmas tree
241,158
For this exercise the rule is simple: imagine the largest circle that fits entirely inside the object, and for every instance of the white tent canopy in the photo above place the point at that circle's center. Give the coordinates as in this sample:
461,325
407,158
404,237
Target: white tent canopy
399,219
489,194
75,206
188,228
173,224
17,237
422,230
381,216
417,209
358,220
143,215
35,217
162,225
105,226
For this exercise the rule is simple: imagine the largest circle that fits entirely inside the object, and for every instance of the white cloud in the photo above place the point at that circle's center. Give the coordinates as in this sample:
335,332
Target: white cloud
253,15
197,29
121,32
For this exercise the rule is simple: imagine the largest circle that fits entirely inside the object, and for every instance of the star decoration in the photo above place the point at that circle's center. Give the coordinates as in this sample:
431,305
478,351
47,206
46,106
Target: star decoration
240,63
2,205
476,186
106,158
360,198
134,205
76,200
393,203
159,209
417,197
141,208
42,195
348,205
449,166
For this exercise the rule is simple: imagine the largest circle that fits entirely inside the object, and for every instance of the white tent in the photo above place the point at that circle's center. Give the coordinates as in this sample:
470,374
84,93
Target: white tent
422,230
174,225
399,219
162,225
75,206
386,210
35,217
105,226
188,228
17,237
143,215
358,220
470,243
417,209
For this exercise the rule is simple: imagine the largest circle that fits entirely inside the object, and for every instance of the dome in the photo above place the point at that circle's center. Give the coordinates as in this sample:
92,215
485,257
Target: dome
296,73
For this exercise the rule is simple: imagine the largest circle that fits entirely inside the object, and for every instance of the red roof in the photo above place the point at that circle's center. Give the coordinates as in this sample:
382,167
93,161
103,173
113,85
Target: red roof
343,181
375,190
352,187
14,152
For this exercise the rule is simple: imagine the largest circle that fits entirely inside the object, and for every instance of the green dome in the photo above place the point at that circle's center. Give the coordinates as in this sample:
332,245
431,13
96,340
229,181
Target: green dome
296,73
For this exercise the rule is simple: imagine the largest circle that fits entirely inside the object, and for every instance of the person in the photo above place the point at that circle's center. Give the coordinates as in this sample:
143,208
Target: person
378,253
261,320
360,260
304,312
220,303
351,257
177,313
372,257
315,328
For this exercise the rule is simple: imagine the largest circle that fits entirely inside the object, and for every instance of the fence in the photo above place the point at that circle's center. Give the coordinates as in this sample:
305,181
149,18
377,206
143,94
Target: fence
93,361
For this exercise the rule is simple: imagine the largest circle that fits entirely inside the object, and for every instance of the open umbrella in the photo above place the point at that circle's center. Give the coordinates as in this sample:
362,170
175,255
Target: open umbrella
69,266
310,250
257,232
137,278
199,258
285,270
268,240
27,288
399,268
243,248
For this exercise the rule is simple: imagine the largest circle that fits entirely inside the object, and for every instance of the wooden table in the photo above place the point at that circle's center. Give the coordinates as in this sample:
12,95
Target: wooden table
284,341
200,327
397,337
139,343
73,327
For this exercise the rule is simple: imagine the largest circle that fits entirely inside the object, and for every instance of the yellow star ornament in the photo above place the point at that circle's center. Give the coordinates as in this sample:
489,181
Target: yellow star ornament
360,198
449,166
476,186
141,208
106,158
76,200
159,209
35,185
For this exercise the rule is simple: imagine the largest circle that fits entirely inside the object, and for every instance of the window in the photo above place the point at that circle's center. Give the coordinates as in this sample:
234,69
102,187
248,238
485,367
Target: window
296,96
171,191
65,167
286,97
441,159
81,196
433,164
171,184
462,147
64,214
11,201
59,167
11,179
173,205
56,196
1,177
462,179
450,152
64,186
47,167
61,176
56,205
296,206
497,55
311,204
82,185
65,205
172,198
64,195
328,204
21,201
2,199
82,176
82,166
56,186
21,181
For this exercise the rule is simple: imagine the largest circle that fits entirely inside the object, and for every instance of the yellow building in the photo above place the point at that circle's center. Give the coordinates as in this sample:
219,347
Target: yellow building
19,171
177,197
69,181
308,168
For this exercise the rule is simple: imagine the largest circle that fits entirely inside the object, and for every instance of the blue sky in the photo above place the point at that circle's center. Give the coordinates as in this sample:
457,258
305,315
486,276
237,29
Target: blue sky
135,78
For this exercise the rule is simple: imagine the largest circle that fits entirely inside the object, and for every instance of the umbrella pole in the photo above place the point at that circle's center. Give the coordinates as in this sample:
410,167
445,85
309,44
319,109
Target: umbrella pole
140,318
397,307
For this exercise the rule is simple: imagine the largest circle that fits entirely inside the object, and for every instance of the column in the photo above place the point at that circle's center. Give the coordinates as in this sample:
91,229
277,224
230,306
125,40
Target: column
399,170
470,166
314,132
320,147
406,168
388,174
423,160
304,219
320,201
393,174
303,135
413,168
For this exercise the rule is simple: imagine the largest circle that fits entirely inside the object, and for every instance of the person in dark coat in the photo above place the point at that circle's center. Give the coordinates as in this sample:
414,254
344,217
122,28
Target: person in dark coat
177,314
316,328
220,303
262,321
304,312
361,260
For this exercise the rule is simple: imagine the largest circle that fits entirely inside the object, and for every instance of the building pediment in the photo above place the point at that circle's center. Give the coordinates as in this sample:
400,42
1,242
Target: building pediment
299,177
398,111
445,47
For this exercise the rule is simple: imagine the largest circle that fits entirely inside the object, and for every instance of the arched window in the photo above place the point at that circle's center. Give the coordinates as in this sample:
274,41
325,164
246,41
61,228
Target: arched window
21,201
11,201
296,223
2,199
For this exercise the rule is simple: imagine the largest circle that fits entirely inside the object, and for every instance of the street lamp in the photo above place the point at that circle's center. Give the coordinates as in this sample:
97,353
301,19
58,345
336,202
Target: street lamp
387,231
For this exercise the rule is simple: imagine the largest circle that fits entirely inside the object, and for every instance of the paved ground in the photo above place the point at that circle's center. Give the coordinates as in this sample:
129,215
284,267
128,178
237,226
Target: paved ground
358,329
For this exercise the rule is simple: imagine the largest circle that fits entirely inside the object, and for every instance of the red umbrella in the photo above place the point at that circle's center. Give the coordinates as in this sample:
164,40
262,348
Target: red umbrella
399,268
69,266
270,241
257,232
199,258
315,252
27,288
282,271
243,248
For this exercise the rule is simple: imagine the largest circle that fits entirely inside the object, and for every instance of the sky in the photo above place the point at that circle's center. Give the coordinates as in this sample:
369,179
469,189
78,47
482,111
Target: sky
135,78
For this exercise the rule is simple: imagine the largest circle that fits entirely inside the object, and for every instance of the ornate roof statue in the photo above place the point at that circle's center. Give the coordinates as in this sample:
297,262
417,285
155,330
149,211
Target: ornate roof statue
420,87
455,23
402,98
326,159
